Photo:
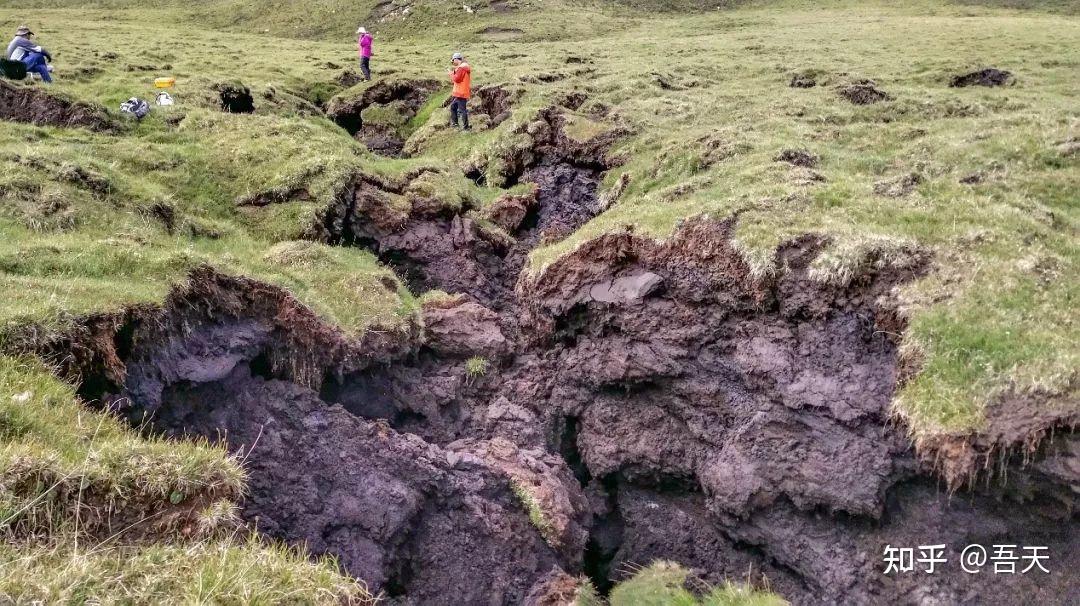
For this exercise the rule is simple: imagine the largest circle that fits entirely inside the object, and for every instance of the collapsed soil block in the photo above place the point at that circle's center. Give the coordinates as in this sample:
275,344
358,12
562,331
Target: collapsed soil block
410,93
348,78
665,403
494,101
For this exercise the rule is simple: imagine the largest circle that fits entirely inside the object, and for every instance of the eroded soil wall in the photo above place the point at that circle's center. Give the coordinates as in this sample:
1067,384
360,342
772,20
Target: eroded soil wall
637,400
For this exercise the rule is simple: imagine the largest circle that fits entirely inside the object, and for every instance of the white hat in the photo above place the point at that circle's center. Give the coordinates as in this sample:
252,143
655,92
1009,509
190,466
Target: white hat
361,30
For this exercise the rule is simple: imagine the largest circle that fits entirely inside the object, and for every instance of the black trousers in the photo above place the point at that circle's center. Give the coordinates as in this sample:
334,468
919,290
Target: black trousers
458,107
365,66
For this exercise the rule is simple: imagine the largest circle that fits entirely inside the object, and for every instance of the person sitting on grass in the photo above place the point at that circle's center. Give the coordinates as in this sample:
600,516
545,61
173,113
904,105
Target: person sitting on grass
35,57
461,76
363,43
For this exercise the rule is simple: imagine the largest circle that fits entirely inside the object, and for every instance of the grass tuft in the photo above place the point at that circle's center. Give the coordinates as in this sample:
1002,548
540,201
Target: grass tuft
536,513
669,584
234,570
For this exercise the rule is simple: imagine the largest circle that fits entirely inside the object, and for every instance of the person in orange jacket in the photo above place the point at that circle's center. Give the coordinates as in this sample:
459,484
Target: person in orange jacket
461,76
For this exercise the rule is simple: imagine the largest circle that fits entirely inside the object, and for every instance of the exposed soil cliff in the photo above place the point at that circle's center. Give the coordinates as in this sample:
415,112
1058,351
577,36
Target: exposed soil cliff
33,105
635,400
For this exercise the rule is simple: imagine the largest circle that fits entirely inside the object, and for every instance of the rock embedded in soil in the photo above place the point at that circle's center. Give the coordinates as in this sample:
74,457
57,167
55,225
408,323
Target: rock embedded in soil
464,329
626,289
508,211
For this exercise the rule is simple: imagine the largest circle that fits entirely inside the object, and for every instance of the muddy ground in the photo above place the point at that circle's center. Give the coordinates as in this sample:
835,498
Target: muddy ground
638,400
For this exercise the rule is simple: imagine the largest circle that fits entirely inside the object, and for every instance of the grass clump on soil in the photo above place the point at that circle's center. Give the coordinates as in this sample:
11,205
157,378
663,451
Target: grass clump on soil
234,570
536,514
668,584
476,367
447,191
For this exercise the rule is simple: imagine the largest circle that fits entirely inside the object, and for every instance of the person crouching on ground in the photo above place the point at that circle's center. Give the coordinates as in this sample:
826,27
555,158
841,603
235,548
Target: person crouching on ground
35,57
364,45
461,76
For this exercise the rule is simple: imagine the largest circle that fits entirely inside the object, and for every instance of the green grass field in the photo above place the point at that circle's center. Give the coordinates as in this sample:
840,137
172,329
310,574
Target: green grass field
986,179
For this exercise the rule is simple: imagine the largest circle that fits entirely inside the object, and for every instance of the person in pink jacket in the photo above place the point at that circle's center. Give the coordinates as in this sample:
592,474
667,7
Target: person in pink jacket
364,45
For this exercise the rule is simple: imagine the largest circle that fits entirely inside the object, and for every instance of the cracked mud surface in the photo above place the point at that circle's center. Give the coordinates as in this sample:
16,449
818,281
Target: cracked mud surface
642,400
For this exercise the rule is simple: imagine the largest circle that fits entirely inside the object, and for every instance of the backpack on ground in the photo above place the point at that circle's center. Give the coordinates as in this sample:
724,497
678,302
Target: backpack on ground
12,70
135,107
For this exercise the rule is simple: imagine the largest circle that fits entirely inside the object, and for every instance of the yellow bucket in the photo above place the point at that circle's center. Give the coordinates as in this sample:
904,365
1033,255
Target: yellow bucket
164,82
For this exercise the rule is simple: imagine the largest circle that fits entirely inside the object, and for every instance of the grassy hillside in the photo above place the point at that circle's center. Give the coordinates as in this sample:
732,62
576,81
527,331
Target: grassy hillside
985,179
